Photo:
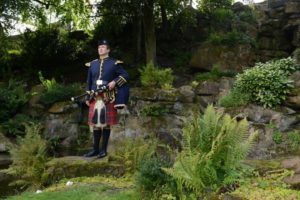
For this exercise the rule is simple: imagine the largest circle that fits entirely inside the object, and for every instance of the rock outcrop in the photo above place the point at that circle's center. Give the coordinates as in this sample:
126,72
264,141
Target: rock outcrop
279,28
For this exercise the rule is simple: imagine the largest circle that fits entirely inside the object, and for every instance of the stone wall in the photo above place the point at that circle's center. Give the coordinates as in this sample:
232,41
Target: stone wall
279,28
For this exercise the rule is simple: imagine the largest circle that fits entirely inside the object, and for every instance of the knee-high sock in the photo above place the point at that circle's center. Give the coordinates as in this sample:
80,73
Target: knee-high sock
97,136
106,134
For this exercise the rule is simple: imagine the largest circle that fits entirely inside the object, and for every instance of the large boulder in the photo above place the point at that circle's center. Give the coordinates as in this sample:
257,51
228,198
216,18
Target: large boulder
62,123
186,94
233,59
5,143
292,163
292,7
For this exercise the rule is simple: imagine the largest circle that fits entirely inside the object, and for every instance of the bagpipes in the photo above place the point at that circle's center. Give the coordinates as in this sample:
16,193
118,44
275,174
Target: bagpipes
90,95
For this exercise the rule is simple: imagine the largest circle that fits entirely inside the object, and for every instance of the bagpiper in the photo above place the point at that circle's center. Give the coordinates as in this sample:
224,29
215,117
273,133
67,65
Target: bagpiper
103,106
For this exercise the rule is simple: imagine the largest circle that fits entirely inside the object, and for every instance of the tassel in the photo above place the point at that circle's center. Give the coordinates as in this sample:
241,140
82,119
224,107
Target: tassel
95,117
102,116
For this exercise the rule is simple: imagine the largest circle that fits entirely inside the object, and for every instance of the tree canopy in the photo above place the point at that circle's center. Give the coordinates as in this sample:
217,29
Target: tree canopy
37,12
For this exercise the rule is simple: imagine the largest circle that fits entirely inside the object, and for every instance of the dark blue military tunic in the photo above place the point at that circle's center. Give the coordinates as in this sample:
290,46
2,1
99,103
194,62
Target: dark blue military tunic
107,70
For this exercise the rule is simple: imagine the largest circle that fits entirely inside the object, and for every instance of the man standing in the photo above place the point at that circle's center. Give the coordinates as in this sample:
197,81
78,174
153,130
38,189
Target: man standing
103,106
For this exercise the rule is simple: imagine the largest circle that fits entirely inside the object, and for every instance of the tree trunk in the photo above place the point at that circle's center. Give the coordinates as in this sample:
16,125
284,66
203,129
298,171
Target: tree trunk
138,38
149,32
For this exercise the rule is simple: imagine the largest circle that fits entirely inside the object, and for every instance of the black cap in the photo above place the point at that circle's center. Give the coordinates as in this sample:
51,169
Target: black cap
103,42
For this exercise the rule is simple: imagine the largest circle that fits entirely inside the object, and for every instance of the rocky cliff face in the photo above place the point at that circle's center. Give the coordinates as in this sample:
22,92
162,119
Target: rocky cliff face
163,113
277,35
279,28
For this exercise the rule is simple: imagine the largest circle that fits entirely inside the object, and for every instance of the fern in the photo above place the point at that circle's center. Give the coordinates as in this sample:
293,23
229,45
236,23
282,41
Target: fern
130,152
213,147
29,158
47,83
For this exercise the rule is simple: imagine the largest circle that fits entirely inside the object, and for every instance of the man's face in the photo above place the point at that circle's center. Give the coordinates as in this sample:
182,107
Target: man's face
103,50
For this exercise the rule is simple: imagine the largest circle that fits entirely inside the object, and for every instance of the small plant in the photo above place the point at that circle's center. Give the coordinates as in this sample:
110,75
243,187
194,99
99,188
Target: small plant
154,110
214,74
150,175
271,125
294,140
277,137
131,152
234,99
16,126
29,158
48,84
54,145
230,39
155,77
209,6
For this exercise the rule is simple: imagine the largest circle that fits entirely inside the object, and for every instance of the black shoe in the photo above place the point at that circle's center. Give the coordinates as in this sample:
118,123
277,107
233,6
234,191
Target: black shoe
91,154
102,154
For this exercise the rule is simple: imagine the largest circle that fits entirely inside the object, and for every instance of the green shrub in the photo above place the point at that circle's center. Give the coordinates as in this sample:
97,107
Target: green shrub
221,19
150,175
60,92
16,126
48,84
267,83
210,5
29,158
213,147
214,74
230,39
13,97
294,140
248,16
155,77
234,99
222,15
154,110
57,92
182,59
277,137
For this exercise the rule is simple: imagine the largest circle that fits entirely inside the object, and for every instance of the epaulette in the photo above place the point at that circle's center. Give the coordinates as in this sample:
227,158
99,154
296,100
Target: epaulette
88,64
118,62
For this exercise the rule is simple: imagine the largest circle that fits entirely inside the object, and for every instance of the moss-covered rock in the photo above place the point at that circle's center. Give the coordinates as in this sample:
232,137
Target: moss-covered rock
73,166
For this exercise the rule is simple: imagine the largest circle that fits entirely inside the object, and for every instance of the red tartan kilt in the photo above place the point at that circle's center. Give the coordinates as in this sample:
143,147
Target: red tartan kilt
111,113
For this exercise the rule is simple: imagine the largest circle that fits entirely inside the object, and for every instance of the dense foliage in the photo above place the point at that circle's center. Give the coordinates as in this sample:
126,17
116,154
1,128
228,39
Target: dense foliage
56,92
234,99
156,77
13,97
49,47
267,83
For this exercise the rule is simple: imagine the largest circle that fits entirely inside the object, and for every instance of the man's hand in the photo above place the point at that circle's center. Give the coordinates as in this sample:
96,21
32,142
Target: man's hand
87,103
111,85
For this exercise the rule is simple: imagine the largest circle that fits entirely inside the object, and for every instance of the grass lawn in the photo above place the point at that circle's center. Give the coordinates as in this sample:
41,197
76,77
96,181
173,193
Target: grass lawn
85,188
